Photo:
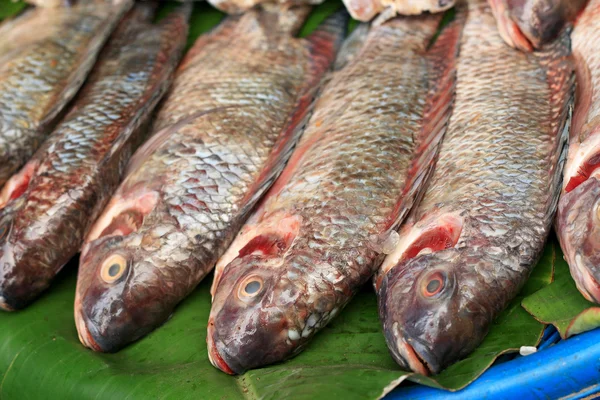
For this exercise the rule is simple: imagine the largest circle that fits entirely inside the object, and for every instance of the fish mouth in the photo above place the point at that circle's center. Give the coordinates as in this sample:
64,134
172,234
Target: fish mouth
411,354
213,352
411,358
85,336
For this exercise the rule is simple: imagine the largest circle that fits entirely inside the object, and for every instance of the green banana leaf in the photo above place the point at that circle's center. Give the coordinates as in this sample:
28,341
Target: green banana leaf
561,305
41,357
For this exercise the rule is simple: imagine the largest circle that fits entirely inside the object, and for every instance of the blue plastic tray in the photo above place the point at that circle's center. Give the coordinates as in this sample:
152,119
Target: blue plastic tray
559,369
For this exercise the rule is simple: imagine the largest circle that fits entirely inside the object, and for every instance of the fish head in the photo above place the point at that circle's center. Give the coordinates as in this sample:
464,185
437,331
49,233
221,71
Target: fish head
578,229
128,282
247,324
429,319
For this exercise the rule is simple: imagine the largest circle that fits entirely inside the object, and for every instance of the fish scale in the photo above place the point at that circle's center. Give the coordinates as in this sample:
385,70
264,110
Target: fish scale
39,75
222,135
47,207
470,245
362,159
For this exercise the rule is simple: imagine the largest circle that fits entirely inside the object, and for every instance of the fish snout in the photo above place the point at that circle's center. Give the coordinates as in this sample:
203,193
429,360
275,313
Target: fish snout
411,354
85,337
236,347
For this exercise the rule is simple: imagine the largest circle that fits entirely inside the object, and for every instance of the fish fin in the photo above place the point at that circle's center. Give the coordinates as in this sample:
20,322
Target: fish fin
442,57
352,46
325,41
323,44
561,80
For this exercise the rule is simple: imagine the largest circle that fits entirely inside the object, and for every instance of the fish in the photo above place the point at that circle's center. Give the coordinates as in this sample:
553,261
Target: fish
530,24
578,218
222,135
362,10
365,10
42,69
471,243
49,205
321,231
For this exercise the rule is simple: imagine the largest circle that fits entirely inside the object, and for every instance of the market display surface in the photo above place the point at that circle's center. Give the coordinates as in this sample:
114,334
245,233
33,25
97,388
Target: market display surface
473,278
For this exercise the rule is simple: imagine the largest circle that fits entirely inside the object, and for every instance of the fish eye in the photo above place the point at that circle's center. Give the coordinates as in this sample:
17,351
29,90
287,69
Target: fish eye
113,268
433,284
250,287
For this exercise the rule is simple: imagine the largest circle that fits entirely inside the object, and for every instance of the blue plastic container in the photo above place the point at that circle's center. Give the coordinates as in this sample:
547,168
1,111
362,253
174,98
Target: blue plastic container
559,369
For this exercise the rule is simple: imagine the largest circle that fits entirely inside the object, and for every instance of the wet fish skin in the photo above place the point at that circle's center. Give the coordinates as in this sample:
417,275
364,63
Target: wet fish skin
41,70
46,208
529,24
222,135
319,233
471,243
578,219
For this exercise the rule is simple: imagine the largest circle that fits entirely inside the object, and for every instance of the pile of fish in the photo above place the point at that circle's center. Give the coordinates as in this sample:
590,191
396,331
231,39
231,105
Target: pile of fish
424,155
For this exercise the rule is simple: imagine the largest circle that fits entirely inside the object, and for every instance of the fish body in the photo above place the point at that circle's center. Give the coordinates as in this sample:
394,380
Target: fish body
49,205
473,240
365,10
42,69
319,233
578,216
222,135
529,24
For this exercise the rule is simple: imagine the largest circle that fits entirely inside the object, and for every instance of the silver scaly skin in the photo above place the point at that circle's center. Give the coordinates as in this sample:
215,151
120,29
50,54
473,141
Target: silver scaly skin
473,240
319,233
222,136
47,207
578,217
41,69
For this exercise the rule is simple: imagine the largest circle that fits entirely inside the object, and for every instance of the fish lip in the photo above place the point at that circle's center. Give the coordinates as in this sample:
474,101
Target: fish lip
411,358
412,354
213,352
85,336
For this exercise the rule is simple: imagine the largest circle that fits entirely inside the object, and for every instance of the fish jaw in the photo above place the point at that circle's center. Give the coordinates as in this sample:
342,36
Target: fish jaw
578,229
427,331
248,327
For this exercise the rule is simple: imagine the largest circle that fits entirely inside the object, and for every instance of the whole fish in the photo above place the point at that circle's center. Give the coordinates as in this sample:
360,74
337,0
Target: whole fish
471,243
365,10
46,208
529,24
578,217
45,55
320,232
222,136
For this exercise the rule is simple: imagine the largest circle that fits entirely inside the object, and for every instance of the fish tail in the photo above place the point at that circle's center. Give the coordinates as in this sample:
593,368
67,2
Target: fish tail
280,19
326,40
352,46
